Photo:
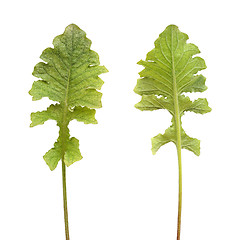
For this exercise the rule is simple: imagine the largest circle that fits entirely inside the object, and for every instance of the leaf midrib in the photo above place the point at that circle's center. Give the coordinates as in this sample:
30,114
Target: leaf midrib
65,108
175,98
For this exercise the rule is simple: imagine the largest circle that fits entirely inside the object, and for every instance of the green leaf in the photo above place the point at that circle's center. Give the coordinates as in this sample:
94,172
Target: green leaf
53,112
152,102
72,153
53,156
191,144
68,75
84,114
170,70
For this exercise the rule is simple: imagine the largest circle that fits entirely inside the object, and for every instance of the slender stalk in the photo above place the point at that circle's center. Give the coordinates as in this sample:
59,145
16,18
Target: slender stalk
65,133
177,119
65,200
178,130
179,193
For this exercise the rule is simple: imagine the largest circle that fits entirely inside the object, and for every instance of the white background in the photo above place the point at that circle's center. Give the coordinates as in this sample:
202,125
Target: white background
119,190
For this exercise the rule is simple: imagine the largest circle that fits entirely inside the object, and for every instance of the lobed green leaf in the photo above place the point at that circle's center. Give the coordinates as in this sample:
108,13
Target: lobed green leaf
69,76
191,144
53,156
170,70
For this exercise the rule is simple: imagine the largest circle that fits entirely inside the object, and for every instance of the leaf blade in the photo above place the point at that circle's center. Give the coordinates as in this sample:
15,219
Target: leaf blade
170,69
69,76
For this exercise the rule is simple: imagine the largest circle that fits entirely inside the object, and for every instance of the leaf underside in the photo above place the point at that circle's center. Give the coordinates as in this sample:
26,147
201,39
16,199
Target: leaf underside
170,70
68,76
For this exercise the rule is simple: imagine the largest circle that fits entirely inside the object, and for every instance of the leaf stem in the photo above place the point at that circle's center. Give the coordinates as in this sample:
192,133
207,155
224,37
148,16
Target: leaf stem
177,119
65,200
64,139
178,145
179,192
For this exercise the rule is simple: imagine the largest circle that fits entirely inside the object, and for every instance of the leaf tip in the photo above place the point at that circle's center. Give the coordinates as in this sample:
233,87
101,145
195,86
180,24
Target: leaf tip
136,88
140,62
139,106
153,151
154,148
105,70
72,27
172,26
136,105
